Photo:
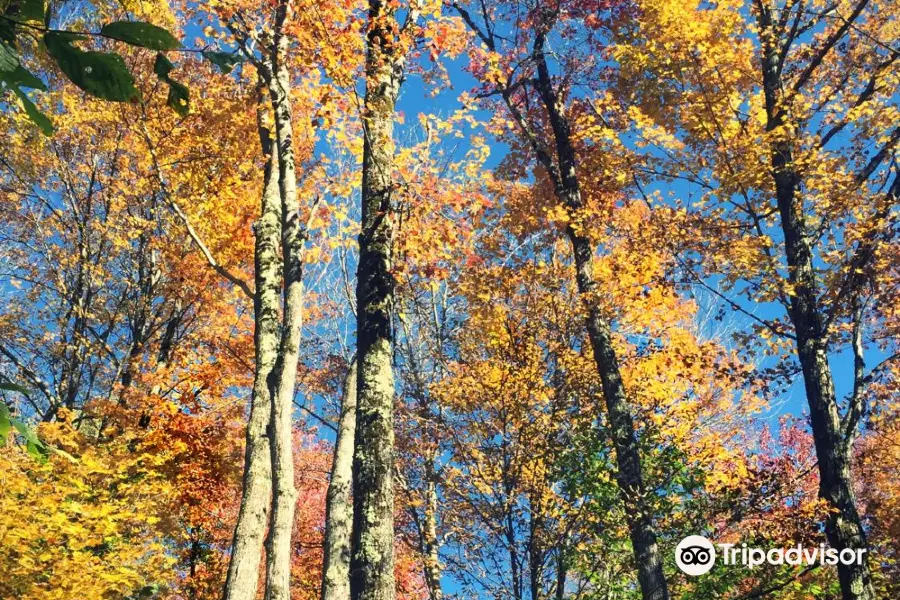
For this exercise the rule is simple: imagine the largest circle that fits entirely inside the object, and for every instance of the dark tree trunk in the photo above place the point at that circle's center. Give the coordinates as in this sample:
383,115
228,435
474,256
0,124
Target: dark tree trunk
630,477
843,526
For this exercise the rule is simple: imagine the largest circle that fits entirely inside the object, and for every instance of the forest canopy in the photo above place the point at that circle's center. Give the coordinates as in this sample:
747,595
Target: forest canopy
449,299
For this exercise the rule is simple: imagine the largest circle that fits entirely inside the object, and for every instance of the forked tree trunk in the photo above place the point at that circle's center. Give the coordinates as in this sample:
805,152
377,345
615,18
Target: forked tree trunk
247,545
338,502
843,526
372,557
630,478
284,494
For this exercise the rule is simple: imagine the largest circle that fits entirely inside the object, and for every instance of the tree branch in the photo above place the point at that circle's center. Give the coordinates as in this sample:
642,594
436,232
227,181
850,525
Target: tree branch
833,39
192,233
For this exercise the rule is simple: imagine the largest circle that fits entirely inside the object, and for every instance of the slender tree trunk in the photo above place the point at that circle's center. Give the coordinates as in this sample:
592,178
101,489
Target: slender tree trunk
843,526
284,494
430,546
247,546
167,341
630,477
372,557
512,545
535,555
427,521
338,502
562,572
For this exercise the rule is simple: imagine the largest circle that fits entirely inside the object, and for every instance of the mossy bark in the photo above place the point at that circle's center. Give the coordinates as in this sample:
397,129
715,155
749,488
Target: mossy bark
430,544
247,545
284,377
372,555
339,501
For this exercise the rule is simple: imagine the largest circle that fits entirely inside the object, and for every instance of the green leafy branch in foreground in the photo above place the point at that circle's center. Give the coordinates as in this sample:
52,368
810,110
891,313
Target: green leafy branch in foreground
33,444
100,74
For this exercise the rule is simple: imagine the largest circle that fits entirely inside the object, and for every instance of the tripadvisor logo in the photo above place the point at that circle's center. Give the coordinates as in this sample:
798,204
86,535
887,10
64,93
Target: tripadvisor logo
696,555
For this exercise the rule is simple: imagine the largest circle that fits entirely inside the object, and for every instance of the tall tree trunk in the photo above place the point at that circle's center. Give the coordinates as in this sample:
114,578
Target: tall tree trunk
630,477
293,235
509,525
843,526
562,572
338,502
430,546
247,545
535,554
372,557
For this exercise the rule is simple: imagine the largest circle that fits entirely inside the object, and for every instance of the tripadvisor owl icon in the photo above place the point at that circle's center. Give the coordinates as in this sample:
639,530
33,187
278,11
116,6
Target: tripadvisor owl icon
695,555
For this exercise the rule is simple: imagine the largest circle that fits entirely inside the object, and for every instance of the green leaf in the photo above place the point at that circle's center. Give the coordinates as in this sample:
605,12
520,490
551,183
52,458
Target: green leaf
26,10
179,95
8,58
34,446
26,432
8,32
100,74
21,76
141,34
36,116
179,98
224,60
4,423
14,387
37,451
13,80
162,66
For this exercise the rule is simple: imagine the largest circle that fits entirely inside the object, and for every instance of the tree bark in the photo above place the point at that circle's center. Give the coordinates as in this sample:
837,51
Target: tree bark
338,502
535,555
843,526
562,571
630,477
430,545
284,378
372,557
247,545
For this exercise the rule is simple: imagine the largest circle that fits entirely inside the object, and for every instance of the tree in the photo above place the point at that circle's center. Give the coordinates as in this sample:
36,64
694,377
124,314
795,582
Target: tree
372,559
338,511
263,38
90,522
587,293
532,509
442,202
253,516
547,132
806,218
101,251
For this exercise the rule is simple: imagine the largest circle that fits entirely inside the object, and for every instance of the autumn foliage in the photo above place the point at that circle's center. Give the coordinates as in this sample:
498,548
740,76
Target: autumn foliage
629,273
